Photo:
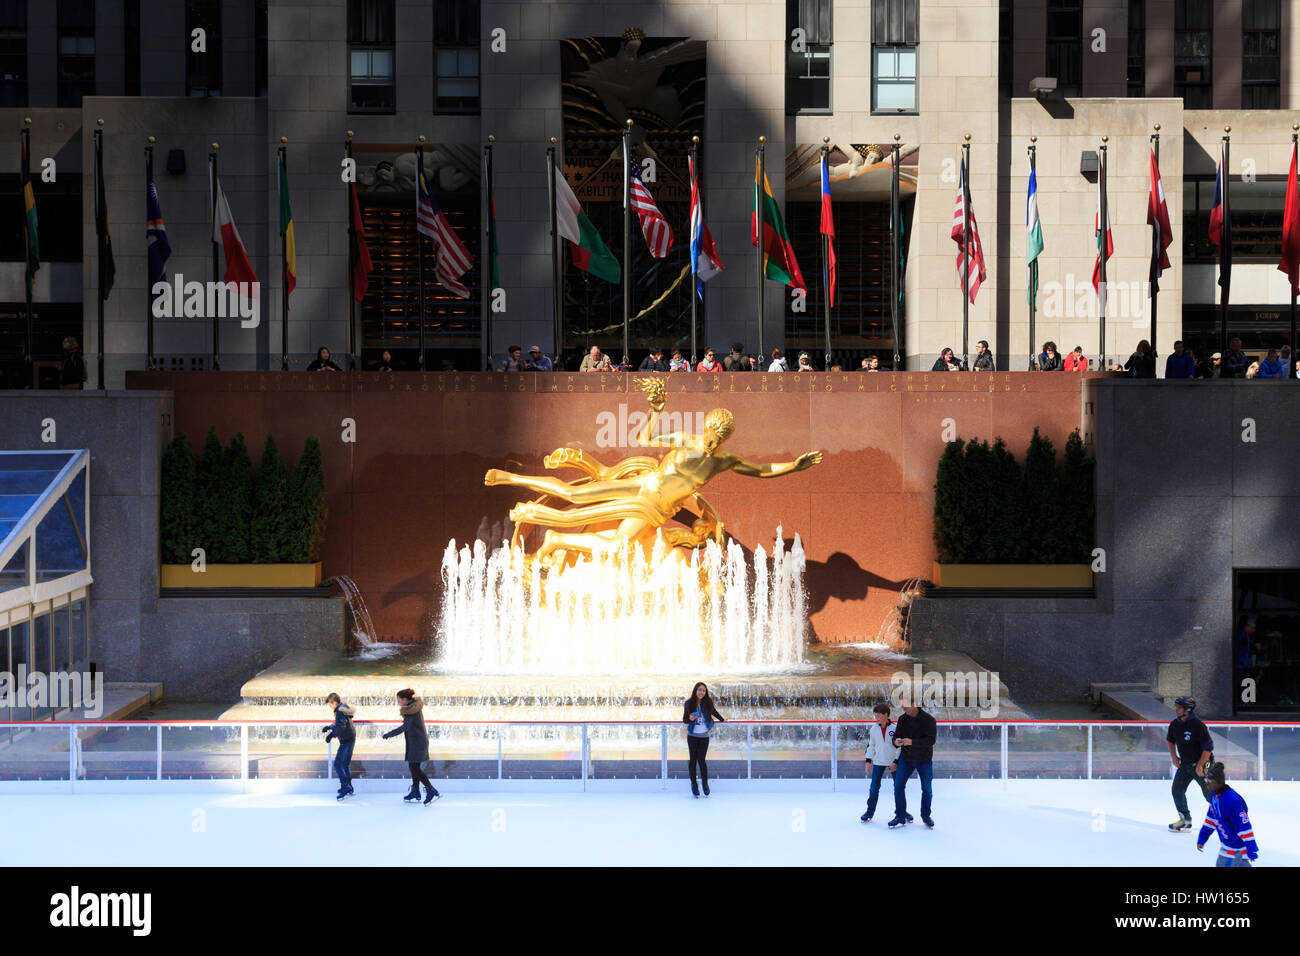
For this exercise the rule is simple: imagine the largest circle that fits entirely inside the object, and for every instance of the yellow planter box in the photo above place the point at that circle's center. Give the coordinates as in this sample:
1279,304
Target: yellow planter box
1013,575
240,576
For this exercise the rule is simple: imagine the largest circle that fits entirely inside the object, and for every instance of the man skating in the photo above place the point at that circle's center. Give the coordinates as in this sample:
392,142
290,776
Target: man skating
1190,748
342,731
914,736
1227,816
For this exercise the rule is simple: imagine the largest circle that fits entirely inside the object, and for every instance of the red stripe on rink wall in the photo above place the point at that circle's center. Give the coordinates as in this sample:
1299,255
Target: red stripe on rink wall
414,476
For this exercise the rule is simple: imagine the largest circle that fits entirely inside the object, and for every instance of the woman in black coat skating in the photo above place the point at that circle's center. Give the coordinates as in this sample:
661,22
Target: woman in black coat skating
698,714
417,743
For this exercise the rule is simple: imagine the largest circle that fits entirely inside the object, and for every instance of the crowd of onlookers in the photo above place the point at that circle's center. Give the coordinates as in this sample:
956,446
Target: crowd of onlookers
1181,363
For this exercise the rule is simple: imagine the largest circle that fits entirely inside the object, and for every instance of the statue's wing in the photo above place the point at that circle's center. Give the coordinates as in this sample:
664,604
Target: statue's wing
683,51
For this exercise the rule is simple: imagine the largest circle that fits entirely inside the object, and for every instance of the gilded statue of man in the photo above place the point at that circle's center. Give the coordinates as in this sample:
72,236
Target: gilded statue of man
637,496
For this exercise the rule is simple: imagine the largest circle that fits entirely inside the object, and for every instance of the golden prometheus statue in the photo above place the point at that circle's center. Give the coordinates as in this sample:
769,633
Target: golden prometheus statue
627,503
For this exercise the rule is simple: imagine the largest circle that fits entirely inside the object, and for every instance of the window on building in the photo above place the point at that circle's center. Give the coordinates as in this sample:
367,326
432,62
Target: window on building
1193,50
1137,48
371,52
1006,49
76,28
131,47
1256,219
455,51
13,53
808,69
1261,59
893,56
203,70
1065,45
1266,638
260,42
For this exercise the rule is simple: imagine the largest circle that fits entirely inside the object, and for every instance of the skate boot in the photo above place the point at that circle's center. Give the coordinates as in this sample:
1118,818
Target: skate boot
431,794
414,794
897,822
1181,824
706,788
695,789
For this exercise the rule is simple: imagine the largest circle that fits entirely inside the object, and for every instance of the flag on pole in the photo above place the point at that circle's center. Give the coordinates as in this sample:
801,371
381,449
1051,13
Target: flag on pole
779,262
705,263
828,230
1290,263
658,234
590,253
1158,219
238,268
286,230
1033,231
103,230
1221,227
361,264
970,251
1105,242
451,259
155,231
31,242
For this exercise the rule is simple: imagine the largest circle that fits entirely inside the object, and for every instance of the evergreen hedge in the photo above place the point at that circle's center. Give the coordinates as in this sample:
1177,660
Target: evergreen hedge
990,509
218,504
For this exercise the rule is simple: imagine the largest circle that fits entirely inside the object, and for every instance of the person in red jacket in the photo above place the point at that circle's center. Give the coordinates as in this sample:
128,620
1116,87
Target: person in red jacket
710,364
1076,361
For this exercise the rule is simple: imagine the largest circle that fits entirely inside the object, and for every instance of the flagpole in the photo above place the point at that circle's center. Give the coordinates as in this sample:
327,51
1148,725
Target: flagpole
1290,373
965,232
26,135
1102,245
216,323
1033,266
694,278
895,244
419,240
352,265
826,273
556,298
1155,248
627,234
99,305
1227,215
489,261
150,364
284,268
759,198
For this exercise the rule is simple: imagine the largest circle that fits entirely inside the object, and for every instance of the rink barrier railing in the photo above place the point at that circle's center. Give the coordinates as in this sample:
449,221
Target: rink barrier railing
584,759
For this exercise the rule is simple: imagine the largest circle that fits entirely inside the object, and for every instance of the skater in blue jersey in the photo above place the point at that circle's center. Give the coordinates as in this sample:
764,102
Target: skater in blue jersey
342,731
1227,816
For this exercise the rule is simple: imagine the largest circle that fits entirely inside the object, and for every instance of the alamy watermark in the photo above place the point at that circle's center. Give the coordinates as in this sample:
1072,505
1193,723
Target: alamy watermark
58,690
619,429
933,689
206,300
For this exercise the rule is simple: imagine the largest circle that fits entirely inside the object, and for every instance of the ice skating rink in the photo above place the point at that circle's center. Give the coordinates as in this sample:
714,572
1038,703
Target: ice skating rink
1031,822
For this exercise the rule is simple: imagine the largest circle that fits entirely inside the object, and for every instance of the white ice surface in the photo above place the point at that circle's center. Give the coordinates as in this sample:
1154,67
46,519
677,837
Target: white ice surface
1032,822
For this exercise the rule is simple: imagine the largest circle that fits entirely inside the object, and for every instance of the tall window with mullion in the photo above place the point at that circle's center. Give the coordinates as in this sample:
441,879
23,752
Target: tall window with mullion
203,69
808,56
1137,48
1194,52
1065,45
13,53
76,26
894,37
1261,59
371,53
455,51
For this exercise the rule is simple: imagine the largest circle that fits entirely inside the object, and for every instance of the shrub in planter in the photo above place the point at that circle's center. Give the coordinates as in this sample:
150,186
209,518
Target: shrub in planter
270,509
306,506
1077,506
209,500
178,518
948,505
237,502
1041,497
1010,523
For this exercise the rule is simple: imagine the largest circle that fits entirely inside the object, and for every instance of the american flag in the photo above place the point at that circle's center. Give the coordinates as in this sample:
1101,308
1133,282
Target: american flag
972,252
452,260
658,234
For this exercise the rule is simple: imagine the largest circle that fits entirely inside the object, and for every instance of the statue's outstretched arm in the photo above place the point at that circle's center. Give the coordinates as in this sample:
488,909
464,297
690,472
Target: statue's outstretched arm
753,469
657,396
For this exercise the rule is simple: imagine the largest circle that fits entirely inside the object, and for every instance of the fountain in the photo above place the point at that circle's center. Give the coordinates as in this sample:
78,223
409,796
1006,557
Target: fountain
605,605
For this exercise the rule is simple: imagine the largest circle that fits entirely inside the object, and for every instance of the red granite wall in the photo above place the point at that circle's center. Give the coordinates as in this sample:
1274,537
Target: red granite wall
413,477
